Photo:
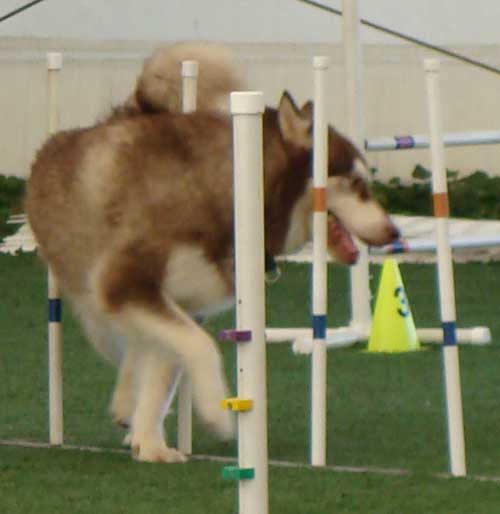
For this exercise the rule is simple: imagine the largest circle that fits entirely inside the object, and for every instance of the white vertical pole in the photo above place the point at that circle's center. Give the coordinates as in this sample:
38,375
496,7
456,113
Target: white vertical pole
247,109
54,65
189,73
319,267
353,63
445,275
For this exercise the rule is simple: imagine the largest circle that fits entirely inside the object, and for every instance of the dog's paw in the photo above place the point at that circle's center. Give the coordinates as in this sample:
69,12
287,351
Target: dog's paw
157,453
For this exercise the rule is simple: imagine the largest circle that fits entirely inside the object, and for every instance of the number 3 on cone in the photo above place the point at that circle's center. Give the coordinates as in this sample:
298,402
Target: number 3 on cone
403,309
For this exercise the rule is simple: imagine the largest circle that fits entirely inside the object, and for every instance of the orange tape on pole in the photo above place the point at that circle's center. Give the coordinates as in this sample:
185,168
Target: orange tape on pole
319,199
441,206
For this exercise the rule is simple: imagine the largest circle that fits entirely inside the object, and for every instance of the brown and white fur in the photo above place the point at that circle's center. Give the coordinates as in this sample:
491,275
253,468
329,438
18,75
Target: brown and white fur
159,88
135,218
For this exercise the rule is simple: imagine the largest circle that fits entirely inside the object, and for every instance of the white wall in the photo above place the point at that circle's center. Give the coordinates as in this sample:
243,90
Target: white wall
96,76
105,42
441,21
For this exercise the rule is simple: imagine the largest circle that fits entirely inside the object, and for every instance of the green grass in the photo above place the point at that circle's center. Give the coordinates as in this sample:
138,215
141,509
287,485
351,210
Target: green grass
35,481
39,481
384,411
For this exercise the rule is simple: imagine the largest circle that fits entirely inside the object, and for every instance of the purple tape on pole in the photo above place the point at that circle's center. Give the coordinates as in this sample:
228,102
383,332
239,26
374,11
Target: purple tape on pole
404,142
235,336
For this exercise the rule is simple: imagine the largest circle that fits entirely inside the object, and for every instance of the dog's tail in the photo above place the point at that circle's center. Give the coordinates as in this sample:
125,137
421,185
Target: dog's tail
159,86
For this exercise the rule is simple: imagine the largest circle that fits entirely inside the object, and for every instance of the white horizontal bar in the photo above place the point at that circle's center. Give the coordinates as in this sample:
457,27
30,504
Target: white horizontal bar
338,337
407,142
346,336
475,335
430,246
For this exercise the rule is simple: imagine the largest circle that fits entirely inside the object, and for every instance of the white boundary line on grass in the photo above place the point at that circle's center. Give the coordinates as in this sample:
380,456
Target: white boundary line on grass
277,463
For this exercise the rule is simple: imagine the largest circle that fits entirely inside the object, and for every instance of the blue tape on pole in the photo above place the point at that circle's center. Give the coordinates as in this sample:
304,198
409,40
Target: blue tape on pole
55,310
449,333
319,326
398,247
404,142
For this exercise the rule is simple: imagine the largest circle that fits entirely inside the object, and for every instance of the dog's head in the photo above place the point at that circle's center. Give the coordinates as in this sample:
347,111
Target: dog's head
349,202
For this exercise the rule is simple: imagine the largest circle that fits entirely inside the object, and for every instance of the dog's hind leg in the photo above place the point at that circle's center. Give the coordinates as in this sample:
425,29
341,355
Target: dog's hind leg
128,288
141,393
176,335
123,401
129,390
116,349
154,377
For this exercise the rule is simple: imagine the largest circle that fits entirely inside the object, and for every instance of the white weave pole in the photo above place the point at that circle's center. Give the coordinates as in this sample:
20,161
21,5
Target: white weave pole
247,109
319,266
189,73
353,64
445,274
54,65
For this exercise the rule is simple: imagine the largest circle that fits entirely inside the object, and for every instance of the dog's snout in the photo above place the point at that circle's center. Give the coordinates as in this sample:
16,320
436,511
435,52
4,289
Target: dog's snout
388,233
391,234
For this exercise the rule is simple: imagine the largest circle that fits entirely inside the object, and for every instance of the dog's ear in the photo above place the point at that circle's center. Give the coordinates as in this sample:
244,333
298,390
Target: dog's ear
295,126
306,111
131,103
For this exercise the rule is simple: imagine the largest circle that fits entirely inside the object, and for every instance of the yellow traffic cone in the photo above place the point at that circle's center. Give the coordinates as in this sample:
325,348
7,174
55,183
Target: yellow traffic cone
393,329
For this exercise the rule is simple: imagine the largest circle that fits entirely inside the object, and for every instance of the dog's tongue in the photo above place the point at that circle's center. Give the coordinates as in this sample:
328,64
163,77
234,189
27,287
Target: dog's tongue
340,243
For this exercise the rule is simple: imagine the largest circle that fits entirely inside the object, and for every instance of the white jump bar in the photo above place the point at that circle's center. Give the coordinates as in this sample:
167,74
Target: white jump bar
407,142
430,246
